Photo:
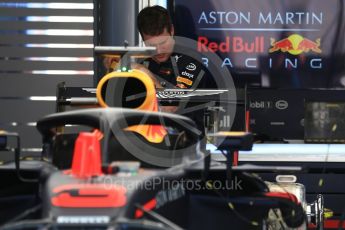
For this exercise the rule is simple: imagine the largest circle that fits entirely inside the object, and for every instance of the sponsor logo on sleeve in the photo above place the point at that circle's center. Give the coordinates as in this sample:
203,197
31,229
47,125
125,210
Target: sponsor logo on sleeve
184,80
185,73
181,86
191,66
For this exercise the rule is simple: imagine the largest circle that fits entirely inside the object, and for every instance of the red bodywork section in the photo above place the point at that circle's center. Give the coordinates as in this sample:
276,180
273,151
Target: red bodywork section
89,196
87,155
151,204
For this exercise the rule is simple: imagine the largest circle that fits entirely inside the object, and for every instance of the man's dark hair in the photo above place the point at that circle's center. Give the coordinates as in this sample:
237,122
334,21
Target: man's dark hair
153,20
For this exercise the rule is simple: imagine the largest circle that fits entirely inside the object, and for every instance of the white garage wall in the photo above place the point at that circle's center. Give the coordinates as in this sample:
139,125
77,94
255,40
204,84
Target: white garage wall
42,43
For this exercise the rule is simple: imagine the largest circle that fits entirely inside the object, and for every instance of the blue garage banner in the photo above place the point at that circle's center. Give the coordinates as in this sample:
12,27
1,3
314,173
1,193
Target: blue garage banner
281,44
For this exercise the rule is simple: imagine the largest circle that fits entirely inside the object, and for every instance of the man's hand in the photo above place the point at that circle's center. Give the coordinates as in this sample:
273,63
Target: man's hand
110,63
167,109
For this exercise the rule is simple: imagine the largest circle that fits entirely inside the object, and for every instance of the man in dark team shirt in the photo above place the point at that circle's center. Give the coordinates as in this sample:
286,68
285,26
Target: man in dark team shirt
172,70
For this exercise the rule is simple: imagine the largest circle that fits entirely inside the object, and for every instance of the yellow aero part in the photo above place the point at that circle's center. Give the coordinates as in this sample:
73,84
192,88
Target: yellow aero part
152,133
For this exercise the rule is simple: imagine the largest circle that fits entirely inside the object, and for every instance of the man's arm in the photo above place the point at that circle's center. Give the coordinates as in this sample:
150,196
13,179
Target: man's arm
167,109
148,72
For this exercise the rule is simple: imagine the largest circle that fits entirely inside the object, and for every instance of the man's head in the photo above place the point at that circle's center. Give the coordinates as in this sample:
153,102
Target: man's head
156,29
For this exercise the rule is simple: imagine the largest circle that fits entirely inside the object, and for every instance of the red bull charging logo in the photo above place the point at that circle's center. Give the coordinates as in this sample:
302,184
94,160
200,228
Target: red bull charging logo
295,44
